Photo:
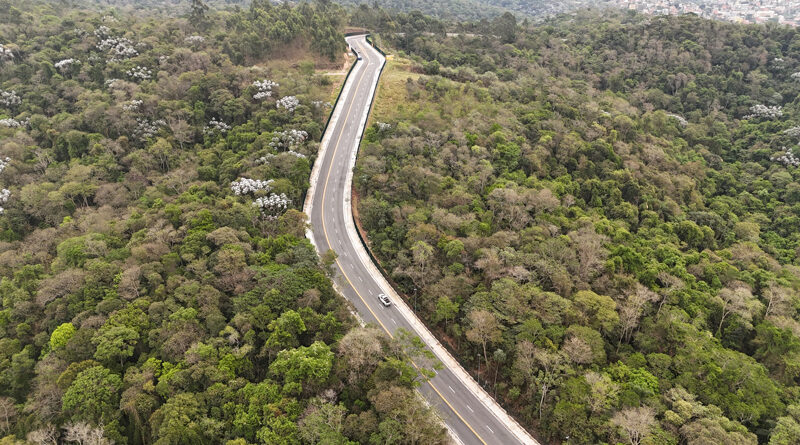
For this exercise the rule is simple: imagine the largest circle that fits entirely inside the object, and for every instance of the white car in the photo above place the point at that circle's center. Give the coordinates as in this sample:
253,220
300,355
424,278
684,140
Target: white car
385,300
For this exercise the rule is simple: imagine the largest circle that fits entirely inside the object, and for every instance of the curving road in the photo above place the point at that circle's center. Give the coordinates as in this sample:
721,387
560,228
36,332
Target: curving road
471,415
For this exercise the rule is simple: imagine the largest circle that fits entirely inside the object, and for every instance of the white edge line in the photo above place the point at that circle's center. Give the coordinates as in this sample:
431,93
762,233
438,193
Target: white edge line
422,331
434,344
323,150
309,204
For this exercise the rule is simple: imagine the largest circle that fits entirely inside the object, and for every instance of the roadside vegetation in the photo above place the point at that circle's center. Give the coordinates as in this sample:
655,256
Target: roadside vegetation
599,216
156,285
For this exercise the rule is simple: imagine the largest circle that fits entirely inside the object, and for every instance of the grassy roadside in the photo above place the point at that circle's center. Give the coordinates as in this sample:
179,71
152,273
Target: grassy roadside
390,98
338,77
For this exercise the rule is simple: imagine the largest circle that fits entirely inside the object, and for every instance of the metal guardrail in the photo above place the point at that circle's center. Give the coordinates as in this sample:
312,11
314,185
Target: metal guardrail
333,108
371,41
339,95
358,226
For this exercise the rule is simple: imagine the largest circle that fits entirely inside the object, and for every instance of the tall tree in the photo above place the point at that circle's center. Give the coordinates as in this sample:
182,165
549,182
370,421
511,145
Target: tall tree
636,423
197,14
483,329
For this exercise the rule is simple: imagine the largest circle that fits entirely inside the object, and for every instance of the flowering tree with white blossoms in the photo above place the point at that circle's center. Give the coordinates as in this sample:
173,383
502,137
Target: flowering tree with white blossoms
9,98
244,186
118,48
139,73
6,54
13,123
146,129
289,103
265,159
296,154
761,111
269,156
102,32
5,194
273,205
288,139
680,119
132,105
788,158
264,89
796,76
321,104
214,126
793,132
64,65
194,40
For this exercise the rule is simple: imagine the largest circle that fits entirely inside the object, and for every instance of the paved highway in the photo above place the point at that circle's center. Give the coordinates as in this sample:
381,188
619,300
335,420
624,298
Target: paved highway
471,416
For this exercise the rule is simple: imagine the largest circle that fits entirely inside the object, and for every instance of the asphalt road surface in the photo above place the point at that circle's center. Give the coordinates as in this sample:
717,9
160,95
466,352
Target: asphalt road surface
467,417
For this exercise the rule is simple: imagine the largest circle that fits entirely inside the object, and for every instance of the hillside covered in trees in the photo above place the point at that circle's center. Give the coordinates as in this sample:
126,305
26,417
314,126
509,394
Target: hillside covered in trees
156,285
476,11
601,217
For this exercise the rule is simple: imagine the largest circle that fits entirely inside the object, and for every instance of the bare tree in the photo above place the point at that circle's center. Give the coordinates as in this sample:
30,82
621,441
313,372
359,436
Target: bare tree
181,130
7,412
84,434
484,329
578,350
635,422
511,207
483,171
47,435
59,285
491,264
737,299
550,366
362,351
589,246
778,298
43,159
631,311
541,368
319,420
418,423
603,392
543,200
422,252
128,287
670,284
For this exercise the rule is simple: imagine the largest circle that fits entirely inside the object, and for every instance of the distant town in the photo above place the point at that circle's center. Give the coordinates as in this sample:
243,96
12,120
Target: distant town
785,12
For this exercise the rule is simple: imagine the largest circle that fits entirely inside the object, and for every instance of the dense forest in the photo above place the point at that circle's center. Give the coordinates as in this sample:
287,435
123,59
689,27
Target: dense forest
600,217
156,285
453,10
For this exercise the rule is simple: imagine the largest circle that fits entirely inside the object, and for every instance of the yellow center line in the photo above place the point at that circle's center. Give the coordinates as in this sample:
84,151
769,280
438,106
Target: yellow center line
327,240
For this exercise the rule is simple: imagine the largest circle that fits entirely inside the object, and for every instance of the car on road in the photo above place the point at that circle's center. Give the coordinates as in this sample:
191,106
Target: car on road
385,300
